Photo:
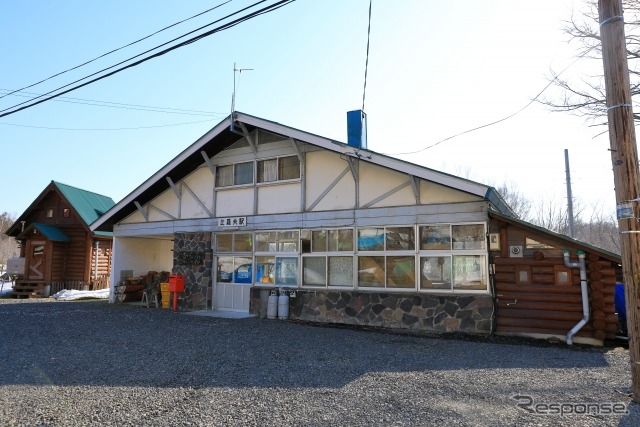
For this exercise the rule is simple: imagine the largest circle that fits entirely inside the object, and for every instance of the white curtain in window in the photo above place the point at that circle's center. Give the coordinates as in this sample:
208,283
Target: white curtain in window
269,170
224,176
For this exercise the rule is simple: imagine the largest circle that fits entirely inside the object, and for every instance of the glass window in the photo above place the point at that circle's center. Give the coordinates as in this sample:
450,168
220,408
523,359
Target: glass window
371,271
243,242
468,236
224,176
234,269
469,272
267,170
400,238
265,271
435,272
266,241
314,271
319,241
435,237
66,213
401,271
280,169
371,239
286,271
341,271
288,241
340,240
224,242
288,168
243,173
534,244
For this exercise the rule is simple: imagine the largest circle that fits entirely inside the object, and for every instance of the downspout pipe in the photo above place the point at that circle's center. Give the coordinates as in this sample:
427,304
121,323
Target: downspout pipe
583,287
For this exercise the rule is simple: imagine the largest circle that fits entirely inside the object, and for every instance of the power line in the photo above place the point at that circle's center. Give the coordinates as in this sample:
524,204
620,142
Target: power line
366,65
223,27
492,123
108,104
105,129
115,50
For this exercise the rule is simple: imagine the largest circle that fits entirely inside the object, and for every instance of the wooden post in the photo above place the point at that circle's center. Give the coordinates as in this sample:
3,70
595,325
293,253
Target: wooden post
624,157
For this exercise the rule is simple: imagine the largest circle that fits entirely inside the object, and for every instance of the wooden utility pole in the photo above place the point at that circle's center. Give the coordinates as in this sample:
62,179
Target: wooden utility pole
624,157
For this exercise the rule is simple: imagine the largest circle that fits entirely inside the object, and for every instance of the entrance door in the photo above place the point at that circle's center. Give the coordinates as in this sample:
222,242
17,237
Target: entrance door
234,278
37,260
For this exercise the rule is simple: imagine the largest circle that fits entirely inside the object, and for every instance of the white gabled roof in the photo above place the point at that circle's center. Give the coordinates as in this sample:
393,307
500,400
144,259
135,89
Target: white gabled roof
221,136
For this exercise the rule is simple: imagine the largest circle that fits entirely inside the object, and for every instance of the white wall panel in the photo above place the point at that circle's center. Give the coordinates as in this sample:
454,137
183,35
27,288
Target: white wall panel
234,202
168,202
376,181
142,255
323,167
431,193
134,218
201,183
280,198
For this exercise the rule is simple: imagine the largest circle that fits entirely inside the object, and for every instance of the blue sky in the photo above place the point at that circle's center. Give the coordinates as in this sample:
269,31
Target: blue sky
436,69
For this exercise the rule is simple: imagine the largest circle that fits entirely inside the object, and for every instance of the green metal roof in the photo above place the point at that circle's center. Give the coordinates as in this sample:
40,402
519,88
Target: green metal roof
51,232
90,206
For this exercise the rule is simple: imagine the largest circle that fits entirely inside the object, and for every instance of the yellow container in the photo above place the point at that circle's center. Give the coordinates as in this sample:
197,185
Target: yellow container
165,294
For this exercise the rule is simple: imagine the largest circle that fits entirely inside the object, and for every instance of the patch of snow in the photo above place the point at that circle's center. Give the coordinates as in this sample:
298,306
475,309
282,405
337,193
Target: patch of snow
5,287
70,295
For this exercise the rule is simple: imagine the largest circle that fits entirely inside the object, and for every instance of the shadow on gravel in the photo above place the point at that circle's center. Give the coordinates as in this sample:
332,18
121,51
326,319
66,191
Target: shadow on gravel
99,344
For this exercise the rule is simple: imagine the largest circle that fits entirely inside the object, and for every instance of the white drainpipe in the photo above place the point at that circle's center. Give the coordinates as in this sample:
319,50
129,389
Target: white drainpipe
95,267
583,287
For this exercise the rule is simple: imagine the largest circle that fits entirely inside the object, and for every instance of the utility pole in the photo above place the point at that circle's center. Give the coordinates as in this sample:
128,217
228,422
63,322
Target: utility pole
624,157
572,233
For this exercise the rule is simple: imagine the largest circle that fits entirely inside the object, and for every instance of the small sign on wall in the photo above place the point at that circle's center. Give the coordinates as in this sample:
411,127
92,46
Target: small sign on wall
236,221
190,258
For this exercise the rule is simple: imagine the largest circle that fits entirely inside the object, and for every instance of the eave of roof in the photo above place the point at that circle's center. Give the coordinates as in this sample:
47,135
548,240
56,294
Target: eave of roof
221,136
590,248
49,231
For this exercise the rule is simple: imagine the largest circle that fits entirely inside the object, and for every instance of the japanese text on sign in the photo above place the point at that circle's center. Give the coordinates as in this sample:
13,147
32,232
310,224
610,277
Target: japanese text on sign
238,221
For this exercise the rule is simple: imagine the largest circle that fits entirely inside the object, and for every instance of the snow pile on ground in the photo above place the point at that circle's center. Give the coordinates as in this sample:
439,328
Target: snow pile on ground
70,295
5,288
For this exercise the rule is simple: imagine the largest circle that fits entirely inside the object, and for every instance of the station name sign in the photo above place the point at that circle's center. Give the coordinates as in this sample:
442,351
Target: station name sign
236,221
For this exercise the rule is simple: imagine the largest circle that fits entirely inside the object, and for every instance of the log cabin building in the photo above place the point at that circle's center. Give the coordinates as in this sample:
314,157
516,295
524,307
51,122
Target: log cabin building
255,208
57,248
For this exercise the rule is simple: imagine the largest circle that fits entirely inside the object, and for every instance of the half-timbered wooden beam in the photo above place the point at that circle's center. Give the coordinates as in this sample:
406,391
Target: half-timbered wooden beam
387,194
173,186
250,140
329,188
141,210
167,214
415,185
197,199
207,160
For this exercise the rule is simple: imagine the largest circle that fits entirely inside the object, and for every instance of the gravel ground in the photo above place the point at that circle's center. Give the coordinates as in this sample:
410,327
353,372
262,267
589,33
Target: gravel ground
94,363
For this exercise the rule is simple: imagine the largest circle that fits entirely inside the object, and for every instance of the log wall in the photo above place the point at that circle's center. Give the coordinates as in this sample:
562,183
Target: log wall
546,308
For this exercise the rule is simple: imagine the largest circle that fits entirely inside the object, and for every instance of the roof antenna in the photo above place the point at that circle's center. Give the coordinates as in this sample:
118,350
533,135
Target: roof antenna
233,94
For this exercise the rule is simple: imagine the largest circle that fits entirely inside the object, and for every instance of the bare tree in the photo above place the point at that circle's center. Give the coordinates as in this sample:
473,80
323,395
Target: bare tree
517,201
584,95
8,246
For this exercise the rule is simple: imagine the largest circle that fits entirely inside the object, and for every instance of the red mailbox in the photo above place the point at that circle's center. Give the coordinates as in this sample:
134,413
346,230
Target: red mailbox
176,283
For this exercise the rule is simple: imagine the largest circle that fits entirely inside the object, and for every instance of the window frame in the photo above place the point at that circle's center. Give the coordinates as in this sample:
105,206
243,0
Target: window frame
278,170
477,247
